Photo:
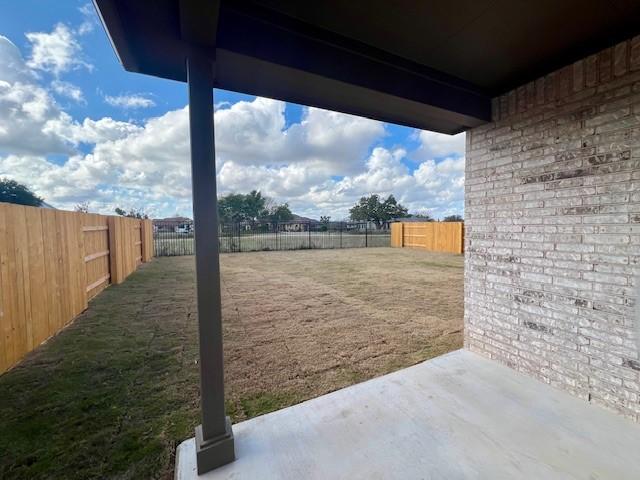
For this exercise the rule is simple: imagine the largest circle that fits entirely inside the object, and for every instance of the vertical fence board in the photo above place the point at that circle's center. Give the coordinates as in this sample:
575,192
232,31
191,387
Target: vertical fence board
115,257
137,240
52,269
21,275
123,256
81,264
39,301
396,234
147,240
75,253
61,271
51,263
7,355
71,291
9,291
128,246
432,236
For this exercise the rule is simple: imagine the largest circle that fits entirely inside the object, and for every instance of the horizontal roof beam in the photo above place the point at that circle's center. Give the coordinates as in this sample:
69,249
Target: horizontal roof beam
261,52
274,38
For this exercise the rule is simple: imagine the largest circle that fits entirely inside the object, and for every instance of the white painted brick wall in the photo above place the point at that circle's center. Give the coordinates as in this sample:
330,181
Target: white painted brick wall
553,229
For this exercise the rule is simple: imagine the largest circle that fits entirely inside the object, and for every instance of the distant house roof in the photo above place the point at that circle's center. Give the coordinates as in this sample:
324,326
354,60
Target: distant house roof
298,218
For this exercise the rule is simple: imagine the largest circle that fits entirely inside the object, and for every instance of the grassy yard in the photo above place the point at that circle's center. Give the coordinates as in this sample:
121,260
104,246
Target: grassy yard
113,394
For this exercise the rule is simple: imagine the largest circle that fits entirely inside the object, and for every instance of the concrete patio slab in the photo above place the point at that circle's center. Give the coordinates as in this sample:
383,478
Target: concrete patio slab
459,416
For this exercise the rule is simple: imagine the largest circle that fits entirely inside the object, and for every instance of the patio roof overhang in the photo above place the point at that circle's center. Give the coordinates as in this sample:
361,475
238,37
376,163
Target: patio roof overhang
432,65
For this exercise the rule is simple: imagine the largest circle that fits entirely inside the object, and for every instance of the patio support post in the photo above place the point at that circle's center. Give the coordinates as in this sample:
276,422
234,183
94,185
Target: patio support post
214,438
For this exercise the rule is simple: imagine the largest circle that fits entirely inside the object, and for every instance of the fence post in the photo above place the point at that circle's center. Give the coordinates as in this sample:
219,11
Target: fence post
115,250
341,227
147,240
309,230
366,234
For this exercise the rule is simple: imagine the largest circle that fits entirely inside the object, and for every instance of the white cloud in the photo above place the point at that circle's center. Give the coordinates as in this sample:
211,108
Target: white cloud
321,165
90,19
434,187
27,115
104,130
56,52
254,133
69,90
129,101
12,66
285,183
435,145
31,121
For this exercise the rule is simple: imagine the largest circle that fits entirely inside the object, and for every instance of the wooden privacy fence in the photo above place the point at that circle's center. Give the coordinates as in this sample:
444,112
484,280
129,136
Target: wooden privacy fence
433,236
52,263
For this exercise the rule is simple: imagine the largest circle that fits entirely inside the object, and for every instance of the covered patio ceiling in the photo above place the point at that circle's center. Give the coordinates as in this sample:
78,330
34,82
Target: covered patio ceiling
432,65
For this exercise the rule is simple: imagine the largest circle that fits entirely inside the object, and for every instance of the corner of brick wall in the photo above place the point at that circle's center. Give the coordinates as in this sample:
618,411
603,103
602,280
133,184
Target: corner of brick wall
552,218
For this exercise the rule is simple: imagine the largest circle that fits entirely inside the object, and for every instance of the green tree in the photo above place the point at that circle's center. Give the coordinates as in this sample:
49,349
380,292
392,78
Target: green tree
324,220
231,208
14,192
392,209
281,213
240,207
132,213
82,207
255,205
453,218
373,209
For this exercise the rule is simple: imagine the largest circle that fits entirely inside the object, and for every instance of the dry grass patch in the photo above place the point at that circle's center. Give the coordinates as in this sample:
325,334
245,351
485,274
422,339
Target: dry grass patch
309,322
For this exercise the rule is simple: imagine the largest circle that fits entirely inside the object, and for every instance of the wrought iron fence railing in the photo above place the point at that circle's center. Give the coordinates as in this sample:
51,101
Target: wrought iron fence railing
263,236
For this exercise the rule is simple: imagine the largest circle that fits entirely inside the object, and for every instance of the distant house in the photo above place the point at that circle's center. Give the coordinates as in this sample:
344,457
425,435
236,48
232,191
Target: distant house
367,225
299,224
173,224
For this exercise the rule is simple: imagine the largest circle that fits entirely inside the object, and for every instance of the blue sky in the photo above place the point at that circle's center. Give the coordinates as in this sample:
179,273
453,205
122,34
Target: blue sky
75,127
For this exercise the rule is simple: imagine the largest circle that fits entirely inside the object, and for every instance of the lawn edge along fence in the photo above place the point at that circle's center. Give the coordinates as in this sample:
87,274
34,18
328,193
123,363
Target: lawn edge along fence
52,262
445,237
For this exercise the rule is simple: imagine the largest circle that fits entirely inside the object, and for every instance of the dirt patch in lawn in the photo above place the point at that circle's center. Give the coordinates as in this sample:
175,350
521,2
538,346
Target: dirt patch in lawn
112,395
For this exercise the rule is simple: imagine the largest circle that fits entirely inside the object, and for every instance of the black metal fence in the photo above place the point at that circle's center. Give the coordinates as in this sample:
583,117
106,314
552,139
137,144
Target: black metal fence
263,236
